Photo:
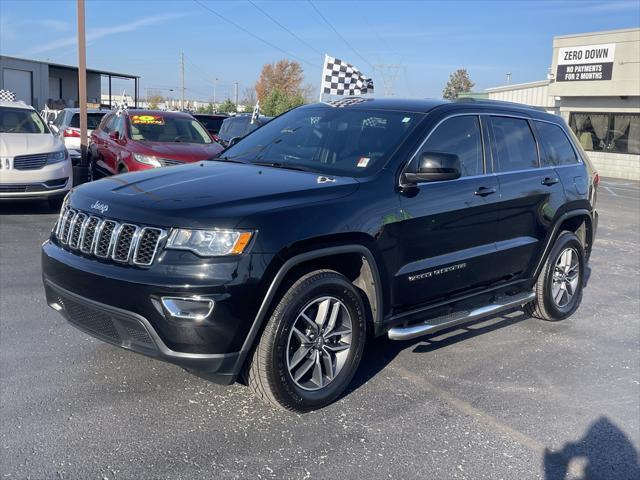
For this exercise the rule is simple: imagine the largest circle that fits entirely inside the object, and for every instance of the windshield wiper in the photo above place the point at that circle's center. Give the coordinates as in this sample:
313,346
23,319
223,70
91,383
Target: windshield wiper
282,165
228,159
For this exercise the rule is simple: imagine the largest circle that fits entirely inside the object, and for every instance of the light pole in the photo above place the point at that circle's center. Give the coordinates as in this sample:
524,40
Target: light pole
81,172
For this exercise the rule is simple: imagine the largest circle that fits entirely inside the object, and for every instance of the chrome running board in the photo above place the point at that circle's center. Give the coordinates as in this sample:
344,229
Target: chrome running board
440,323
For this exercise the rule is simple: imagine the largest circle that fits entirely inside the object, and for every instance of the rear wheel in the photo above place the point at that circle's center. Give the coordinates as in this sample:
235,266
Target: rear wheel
312,344
559,285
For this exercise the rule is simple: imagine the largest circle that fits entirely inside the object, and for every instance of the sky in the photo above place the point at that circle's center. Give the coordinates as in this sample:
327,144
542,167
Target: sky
409,47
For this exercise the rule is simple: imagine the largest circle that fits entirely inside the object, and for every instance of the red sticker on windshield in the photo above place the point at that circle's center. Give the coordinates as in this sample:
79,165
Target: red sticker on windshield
147,119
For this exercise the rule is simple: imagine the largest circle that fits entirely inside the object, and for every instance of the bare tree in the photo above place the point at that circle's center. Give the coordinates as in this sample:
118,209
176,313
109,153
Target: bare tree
248,96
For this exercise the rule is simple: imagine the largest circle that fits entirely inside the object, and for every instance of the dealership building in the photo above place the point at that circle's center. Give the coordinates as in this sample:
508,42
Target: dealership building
594,83
56,85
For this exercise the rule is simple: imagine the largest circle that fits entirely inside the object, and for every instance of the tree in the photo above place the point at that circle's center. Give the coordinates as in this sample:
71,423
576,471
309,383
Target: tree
248,96
227,106
205,108
153,101
285,75
459,82
278,101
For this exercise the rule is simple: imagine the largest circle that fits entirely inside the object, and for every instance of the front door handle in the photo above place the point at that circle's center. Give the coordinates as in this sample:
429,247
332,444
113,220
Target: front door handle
484,191
550,181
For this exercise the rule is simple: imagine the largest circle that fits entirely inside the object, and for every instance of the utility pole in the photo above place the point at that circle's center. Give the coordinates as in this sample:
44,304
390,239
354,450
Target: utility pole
215,87
235,84
182,76
82,94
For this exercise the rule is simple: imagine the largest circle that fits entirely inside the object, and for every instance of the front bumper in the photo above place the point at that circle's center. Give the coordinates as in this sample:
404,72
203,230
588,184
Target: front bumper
134,332
120,304
49,181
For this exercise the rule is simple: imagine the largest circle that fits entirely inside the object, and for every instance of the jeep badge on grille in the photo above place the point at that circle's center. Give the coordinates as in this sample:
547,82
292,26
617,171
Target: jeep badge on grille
101,207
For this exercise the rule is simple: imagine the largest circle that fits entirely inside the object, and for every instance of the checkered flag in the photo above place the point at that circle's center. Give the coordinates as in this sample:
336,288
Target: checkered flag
7,96
340,78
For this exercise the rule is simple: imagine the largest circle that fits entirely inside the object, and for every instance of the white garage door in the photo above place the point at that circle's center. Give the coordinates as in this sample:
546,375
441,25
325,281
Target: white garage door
19,82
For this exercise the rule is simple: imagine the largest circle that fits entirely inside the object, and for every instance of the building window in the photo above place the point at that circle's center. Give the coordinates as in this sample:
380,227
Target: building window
607,132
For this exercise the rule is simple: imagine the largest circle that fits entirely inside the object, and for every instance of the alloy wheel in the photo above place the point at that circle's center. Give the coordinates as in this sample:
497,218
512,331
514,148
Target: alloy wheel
566,277
319,343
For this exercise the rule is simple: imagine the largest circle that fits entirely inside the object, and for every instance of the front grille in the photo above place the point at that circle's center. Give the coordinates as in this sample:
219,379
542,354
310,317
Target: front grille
168,162
108,239
30,162
32,187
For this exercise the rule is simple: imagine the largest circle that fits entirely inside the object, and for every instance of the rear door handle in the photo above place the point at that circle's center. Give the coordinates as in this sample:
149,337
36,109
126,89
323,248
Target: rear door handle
484,191
550,181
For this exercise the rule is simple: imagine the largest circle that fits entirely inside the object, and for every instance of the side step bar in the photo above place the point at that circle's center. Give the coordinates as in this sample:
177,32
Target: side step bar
456,318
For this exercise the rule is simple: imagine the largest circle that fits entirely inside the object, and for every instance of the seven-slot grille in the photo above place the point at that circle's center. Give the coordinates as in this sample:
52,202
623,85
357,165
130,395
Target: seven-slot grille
108,239
30,162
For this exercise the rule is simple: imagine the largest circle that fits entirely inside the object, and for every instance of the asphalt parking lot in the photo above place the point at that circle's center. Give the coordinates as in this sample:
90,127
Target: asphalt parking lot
511,397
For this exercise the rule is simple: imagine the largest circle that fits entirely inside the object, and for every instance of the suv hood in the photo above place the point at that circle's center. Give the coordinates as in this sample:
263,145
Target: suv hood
181,151
16,144
205,194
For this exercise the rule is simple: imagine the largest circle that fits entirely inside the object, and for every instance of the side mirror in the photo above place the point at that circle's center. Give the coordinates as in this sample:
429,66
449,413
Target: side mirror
115,135
233,141
435,167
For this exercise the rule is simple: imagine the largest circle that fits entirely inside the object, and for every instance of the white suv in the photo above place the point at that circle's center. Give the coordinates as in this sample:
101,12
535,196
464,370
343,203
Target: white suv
34,163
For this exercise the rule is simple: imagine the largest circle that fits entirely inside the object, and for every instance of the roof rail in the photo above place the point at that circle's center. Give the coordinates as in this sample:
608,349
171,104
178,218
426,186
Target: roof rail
497,103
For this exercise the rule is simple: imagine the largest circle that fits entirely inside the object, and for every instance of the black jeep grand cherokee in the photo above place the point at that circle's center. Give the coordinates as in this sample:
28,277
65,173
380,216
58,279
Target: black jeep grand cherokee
333,222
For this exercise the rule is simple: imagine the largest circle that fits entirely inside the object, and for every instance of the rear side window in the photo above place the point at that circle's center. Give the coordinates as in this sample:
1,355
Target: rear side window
515,144
556,145
93,120
460,136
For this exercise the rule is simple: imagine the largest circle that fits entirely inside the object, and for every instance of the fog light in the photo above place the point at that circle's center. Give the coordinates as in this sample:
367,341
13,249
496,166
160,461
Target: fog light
188,308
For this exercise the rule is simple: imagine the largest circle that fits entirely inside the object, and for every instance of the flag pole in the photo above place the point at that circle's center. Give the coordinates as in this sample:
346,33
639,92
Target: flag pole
322,77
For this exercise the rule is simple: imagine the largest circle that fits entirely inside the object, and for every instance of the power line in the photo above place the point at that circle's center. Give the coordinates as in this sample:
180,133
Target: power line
252,34
338,33
285,28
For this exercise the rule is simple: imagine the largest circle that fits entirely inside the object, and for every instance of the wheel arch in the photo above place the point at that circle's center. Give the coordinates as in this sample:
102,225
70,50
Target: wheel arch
368,280
580,222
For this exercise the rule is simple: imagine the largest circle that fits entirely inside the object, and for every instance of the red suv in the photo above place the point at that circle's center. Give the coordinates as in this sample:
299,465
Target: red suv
133,140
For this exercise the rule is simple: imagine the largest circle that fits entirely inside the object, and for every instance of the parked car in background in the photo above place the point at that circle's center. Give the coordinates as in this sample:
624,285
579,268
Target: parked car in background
131,140
212,122
49,115
237,127
67,125
34,162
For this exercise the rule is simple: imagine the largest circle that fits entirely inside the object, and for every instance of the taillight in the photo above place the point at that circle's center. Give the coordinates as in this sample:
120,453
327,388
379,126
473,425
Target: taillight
596,179
70,132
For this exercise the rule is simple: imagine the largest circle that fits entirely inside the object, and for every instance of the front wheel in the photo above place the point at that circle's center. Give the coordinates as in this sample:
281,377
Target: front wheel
559,285
312,344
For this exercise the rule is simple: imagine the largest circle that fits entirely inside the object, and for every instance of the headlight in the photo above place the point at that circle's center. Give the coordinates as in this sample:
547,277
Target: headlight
209,243
147,159
59,156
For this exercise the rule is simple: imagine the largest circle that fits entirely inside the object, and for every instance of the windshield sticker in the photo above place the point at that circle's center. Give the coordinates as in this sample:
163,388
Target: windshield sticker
363,162
147,119
406,119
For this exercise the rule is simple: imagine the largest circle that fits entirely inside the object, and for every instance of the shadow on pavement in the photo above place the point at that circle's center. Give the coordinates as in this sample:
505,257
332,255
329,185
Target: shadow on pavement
604,452
26,207
381,351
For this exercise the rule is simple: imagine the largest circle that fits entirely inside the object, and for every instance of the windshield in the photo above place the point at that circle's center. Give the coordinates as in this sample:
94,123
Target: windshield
327,140
93,120
212,124
166,128
21,120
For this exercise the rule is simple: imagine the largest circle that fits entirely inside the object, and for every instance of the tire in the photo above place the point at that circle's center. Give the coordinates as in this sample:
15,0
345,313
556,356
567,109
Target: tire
558,292
276,371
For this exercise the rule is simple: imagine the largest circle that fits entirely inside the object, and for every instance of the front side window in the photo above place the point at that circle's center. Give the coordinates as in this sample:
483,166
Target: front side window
21,120
556,145
107,123
515,144
327,140
607,132
460,136
166,129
